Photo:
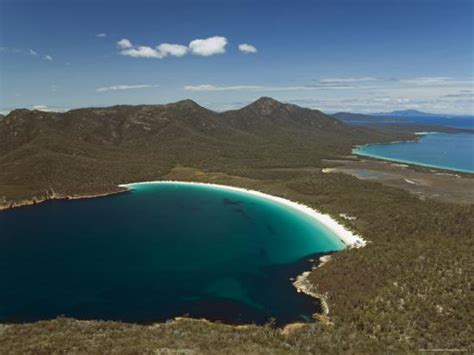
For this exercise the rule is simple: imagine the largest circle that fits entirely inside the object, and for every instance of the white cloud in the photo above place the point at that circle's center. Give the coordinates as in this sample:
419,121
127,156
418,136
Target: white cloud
45,108
48,57
207,87
204,47
159,52
337,81
32,52
247,48
142,52
101,35
176,50
41,108
209,46
124,43
125,87
435,81
439,94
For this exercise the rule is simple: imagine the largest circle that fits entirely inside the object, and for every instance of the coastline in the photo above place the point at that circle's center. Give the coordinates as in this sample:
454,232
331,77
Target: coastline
34,201
302,283
419,136
392,160
349,239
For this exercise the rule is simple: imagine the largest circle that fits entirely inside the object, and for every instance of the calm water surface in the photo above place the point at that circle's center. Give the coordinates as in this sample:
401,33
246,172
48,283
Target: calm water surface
453,151
156,252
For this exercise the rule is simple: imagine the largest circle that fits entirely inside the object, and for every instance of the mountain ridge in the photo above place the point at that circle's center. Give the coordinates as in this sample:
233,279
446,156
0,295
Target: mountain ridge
90,150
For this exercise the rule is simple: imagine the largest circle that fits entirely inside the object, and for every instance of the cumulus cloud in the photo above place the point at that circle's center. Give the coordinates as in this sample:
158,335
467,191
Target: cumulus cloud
48,57
142,52
161,51
32,52
124,87
209,46
124,43
176,50
101,35
45,108
203,47
247,48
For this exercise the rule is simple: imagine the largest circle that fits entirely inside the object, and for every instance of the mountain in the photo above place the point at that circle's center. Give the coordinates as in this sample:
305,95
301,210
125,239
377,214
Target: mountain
90,150
413,113
267,111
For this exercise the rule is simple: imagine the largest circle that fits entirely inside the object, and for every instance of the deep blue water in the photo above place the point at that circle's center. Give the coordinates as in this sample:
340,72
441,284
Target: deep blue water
461,122
156,252
453,151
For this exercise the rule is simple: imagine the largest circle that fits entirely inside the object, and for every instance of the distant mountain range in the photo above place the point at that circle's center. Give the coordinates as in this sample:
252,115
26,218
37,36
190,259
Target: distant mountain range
90,150
353,118
414,113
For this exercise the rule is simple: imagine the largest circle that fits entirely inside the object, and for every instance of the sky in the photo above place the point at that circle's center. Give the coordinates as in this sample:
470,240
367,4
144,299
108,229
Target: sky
332,55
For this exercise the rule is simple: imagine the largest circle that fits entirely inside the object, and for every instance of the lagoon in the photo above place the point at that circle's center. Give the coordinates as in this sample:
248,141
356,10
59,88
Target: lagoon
159,251
452,151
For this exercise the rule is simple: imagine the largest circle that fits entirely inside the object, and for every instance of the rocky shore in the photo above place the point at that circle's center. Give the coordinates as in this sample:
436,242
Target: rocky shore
51,195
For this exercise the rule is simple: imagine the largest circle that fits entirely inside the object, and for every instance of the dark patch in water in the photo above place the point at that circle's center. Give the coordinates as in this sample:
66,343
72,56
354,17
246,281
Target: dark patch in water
131,257
229,202
242,212
271,229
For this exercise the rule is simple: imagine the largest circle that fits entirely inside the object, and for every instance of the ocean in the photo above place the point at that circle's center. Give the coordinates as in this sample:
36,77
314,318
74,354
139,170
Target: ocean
156,252
451,151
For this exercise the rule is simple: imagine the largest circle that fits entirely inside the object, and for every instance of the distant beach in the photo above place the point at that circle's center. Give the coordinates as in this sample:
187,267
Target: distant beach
448,151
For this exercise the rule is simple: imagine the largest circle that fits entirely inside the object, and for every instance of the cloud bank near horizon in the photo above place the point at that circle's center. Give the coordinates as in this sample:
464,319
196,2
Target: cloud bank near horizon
125,87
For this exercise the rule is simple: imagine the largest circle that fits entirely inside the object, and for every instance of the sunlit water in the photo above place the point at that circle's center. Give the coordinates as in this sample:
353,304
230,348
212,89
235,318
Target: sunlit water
453,151
156,252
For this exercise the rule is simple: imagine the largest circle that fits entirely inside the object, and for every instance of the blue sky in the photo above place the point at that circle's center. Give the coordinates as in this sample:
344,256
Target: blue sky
357,55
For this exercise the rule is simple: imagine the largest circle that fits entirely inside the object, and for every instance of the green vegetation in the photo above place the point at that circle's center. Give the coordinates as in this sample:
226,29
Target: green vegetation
90,151
410,288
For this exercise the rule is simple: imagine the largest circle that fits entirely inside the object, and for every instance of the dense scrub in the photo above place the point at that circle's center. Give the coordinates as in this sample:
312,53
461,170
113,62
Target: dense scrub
90,151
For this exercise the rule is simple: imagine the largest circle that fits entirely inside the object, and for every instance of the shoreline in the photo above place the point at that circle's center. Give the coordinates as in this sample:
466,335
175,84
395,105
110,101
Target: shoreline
302,283
35,201
349,239
419,136
423,165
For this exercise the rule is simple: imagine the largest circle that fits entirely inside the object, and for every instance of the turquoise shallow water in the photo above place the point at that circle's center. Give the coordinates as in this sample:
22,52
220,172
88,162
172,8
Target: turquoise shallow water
156,252
452,151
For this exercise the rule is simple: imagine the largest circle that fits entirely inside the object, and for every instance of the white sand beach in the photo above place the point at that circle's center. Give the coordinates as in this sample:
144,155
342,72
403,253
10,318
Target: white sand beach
350,239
